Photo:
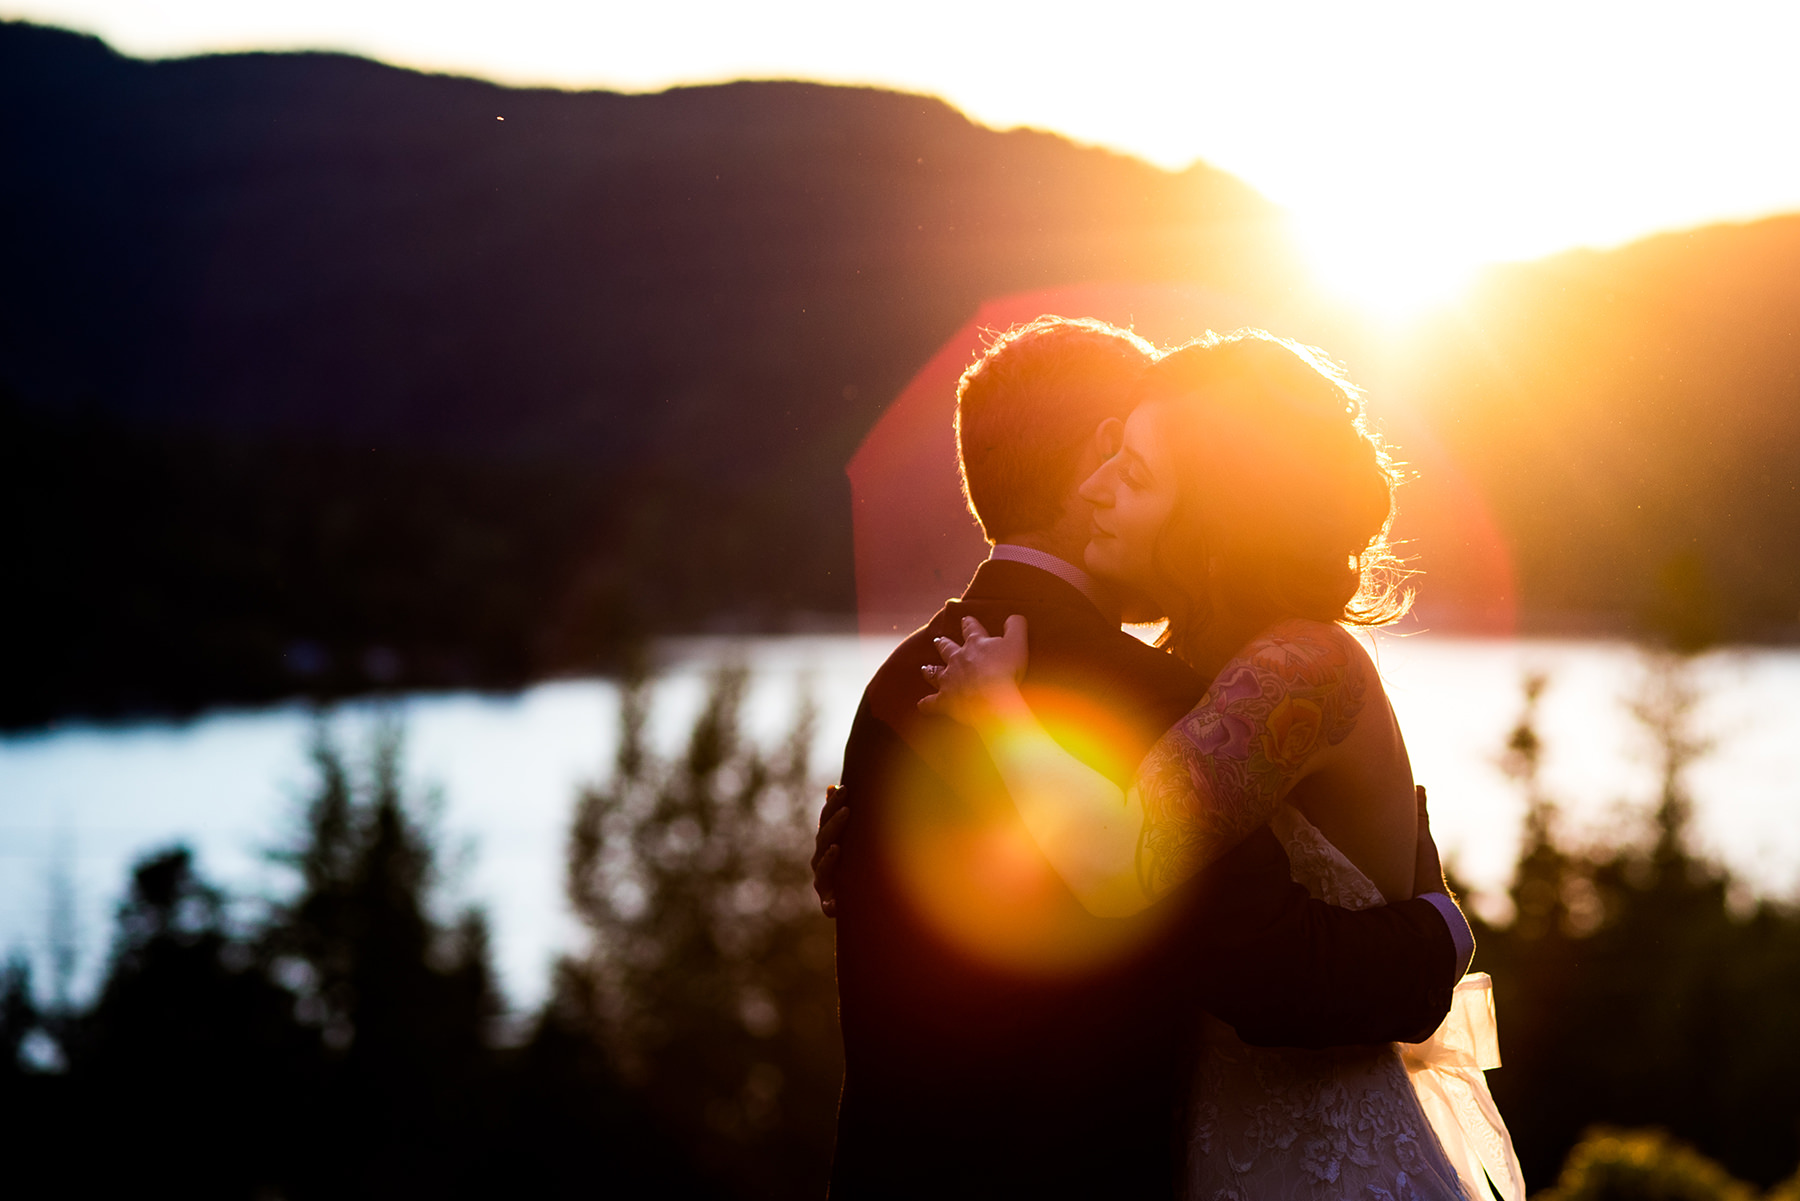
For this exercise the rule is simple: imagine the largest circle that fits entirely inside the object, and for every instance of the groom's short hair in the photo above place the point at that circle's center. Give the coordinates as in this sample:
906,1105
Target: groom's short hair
1026,407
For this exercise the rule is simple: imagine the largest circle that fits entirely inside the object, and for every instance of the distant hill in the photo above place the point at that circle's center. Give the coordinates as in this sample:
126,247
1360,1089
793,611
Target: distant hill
317,374
623,346
317,243
1634,419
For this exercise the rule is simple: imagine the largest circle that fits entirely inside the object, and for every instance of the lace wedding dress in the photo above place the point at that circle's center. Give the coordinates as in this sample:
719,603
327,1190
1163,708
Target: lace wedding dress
1395,1122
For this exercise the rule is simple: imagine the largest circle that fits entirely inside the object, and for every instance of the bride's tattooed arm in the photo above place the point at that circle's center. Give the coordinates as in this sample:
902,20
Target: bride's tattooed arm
1218,774
1212,780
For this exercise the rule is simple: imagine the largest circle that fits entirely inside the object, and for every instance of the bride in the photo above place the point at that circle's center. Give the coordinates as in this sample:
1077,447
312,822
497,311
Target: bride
1249,501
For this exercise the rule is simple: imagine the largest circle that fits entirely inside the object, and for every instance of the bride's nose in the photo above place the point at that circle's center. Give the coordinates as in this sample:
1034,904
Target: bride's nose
1097,488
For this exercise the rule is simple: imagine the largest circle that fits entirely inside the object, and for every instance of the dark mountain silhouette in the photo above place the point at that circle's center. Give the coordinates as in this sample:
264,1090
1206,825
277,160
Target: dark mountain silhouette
319,375
318,243
373,346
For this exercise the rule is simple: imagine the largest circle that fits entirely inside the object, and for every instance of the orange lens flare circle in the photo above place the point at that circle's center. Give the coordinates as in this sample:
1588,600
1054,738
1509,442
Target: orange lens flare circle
969,868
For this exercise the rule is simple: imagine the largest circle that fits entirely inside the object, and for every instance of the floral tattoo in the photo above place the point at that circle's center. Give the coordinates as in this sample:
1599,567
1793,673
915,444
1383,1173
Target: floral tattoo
1219,773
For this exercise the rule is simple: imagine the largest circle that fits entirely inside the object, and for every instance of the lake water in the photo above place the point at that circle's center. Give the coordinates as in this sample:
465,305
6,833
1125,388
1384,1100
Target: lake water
79,803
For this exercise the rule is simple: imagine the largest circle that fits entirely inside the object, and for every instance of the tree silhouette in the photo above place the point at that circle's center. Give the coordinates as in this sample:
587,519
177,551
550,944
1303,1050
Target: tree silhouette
404,1004
1630,991
18,1019
190,1057
340,1045
343,1043
709,969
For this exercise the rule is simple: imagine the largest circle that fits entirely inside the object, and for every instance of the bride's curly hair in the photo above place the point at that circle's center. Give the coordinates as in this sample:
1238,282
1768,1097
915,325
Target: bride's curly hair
1289,502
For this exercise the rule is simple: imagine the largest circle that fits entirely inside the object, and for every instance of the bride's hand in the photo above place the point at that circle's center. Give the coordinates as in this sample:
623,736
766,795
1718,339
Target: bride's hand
979,681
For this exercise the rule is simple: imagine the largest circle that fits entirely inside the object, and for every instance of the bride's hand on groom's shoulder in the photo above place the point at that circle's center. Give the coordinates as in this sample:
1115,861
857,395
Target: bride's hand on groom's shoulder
979,680
827,846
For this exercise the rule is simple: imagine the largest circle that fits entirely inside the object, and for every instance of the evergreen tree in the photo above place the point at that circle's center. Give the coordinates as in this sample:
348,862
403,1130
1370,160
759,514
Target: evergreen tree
1629,990
405,1004
190,1066
709,967
339,1047
19,1019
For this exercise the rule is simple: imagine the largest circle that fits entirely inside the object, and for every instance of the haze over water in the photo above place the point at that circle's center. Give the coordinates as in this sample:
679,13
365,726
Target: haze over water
86,801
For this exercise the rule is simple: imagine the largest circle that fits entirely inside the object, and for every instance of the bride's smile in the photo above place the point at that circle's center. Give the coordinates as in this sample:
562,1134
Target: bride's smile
1133,493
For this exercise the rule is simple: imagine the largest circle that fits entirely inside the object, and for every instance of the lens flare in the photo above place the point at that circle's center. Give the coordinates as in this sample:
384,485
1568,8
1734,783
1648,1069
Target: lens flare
971,870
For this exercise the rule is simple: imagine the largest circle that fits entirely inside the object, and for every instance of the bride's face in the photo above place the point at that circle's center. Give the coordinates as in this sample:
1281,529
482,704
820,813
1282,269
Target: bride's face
1133,494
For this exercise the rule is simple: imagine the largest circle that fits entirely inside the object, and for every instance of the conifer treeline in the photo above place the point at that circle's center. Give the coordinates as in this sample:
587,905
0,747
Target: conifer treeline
351,1042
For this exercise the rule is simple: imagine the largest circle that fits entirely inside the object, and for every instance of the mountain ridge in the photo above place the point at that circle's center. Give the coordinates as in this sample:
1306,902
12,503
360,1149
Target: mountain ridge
327,359
680,310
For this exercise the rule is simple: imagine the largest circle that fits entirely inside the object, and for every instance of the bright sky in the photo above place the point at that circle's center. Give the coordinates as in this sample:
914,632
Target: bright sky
1411,141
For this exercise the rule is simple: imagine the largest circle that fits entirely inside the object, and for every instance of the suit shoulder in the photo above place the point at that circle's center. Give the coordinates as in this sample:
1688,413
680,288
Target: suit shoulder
902,663
1156,666
895,688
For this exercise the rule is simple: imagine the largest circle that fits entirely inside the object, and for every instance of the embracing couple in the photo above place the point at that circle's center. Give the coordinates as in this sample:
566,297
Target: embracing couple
1124,921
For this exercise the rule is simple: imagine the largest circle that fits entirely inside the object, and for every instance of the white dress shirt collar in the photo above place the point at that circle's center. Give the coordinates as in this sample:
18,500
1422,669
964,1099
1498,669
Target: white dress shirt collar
1062,569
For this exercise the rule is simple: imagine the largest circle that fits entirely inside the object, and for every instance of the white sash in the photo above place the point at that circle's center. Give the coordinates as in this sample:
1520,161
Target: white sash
1446,1072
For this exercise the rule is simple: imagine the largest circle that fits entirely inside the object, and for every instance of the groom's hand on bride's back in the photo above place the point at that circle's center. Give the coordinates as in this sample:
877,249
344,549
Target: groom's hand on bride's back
1428,865
827,846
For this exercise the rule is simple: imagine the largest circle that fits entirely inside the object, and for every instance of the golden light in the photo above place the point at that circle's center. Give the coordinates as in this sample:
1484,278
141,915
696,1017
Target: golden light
971,871
1411,140
1390,275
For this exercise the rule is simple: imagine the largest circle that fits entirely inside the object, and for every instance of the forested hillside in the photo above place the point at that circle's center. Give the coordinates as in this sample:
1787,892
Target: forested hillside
318,375
1634,419
320,372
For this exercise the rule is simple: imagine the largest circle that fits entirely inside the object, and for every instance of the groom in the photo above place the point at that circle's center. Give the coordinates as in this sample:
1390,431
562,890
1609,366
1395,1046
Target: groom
998,1040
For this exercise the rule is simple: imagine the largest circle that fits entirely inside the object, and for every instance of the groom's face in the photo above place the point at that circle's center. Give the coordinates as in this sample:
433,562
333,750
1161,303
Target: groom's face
1133,494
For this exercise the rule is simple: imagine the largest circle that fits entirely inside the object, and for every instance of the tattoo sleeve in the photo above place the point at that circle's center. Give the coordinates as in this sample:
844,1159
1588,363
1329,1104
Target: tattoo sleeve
1219,773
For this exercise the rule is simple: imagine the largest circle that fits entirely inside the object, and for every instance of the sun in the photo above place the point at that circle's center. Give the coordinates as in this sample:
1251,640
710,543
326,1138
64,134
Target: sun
1393,272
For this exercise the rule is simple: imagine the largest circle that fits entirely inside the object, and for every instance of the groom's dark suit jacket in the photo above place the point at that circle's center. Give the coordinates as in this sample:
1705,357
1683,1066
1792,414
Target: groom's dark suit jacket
998,1040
